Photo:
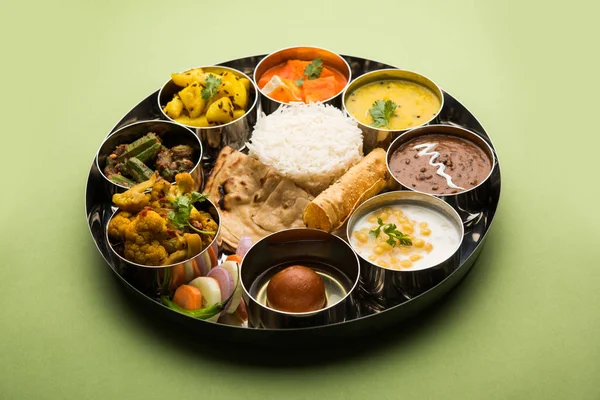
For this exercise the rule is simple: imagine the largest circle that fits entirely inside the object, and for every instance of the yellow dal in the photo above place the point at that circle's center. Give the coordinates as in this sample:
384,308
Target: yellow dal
416,104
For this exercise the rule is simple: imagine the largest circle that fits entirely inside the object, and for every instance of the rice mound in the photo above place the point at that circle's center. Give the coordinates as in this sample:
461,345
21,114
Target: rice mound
312,144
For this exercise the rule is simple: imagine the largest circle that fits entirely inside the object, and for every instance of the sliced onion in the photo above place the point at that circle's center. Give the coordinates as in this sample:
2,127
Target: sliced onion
226,282
234,270
244,245
211,292
203,263
189,273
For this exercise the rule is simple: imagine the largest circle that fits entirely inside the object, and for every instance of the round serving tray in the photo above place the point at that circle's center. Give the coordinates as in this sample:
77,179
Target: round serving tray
99,209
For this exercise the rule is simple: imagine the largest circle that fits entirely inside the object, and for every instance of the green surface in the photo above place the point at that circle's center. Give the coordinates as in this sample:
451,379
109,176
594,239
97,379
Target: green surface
524,324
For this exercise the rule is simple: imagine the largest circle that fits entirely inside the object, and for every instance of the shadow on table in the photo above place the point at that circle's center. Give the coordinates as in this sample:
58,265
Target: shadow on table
427,324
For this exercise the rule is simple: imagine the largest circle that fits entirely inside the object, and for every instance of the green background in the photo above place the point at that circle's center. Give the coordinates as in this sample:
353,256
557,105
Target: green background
523,324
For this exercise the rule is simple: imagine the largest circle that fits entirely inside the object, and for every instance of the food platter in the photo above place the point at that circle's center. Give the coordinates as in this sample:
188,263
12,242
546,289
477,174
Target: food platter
366,317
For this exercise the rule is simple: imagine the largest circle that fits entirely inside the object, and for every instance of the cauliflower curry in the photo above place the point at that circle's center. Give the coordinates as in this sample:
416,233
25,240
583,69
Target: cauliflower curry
161,227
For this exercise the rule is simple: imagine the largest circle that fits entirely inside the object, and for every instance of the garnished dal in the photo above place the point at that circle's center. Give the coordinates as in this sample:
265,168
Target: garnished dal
382,112
438,163
393,104
427,151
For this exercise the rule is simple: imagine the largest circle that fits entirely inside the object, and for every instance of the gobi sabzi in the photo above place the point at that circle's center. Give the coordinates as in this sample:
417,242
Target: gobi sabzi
163,226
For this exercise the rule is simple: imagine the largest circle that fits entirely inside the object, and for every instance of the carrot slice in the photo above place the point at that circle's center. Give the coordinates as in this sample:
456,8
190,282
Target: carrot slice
188,297
234,257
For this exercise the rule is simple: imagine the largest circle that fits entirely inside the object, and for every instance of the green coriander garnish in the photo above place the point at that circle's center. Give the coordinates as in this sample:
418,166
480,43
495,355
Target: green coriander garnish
394,235
314,69
212,83
299,82
382,112
182,208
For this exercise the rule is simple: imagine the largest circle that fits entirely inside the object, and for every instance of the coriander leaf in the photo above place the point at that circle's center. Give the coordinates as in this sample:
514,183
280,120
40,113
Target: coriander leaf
394,235
314,69
172,216
299,82
181,202
382,111
196,197
405,241
182,209
377,231
177,219
210,90
391,241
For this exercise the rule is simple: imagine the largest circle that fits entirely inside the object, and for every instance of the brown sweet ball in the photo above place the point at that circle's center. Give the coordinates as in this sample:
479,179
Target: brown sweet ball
296,289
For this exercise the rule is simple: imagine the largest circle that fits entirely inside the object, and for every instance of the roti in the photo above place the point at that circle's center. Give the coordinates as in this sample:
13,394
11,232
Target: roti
252,198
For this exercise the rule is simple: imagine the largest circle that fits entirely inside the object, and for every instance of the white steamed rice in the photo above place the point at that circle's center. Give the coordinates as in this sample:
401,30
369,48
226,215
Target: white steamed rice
312,144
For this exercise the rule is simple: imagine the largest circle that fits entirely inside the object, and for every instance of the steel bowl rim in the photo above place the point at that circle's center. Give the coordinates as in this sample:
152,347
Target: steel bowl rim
379,71
110,246
340,93
160,121
433,126
440,202
308,313
248,111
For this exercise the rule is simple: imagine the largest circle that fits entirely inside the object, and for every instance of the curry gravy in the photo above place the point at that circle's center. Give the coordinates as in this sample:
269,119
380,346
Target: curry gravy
440,164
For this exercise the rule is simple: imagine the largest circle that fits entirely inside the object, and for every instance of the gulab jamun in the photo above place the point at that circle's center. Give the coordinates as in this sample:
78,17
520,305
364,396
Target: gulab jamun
296,289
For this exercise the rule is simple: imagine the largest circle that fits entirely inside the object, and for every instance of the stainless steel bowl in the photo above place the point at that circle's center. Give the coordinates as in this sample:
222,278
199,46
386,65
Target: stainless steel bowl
299,246
150,278
386,287
468,203
304,53
234,134
170,133
381,137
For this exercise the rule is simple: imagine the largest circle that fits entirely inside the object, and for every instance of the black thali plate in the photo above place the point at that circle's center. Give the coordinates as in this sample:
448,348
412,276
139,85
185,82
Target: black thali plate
99,209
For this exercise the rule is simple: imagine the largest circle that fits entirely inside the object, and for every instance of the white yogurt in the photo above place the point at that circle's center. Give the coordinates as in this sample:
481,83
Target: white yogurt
435,237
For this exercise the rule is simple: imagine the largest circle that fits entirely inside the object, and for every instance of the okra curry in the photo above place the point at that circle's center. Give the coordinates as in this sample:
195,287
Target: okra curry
135,162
